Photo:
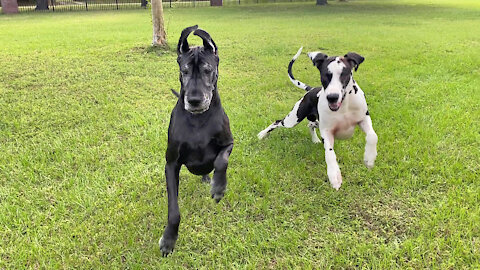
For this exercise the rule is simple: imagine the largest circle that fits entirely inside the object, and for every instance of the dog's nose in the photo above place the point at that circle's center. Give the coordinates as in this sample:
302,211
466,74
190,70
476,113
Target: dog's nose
332,98
194,101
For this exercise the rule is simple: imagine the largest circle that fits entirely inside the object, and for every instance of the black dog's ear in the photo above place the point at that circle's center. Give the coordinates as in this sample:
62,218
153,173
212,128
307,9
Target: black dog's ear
208,42
183,46
354,59
317,58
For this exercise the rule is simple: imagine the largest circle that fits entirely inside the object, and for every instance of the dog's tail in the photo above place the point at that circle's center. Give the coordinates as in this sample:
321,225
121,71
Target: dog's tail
297,83
175,93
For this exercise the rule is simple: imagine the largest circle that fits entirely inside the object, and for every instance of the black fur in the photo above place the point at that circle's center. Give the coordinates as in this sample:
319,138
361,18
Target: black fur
308,106
354,59
200,141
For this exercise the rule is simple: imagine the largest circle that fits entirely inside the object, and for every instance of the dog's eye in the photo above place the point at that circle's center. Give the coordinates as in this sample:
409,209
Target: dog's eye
184,72
207,71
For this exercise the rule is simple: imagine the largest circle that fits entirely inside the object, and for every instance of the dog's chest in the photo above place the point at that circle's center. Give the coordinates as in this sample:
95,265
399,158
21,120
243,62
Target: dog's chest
342,123
198,150
198,146
344,128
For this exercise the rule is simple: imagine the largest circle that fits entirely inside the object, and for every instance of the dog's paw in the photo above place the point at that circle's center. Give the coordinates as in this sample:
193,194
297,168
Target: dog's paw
313,124
217,193
262,134
166,246
335,179
206,179
316,140
369,159
218,196
369,163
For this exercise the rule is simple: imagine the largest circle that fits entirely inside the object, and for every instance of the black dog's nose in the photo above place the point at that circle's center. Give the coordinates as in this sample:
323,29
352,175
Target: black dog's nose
332,98
194,101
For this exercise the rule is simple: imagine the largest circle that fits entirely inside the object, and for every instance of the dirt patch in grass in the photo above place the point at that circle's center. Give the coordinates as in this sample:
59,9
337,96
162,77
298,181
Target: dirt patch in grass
387,217
158,50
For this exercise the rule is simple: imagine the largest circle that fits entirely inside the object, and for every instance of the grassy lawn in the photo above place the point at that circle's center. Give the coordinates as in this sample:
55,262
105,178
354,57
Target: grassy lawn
84,111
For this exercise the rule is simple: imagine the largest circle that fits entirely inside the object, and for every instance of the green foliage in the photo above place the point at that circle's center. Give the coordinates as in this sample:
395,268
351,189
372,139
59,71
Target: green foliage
84,110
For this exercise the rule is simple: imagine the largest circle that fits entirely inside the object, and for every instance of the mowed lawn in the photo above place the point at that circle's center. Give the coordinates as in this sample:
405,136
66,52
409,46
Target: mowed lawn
84,110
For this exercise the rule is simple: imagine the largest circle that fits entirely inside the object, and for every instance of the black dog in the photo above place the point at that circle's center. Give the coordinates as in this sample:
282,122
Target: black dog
199,134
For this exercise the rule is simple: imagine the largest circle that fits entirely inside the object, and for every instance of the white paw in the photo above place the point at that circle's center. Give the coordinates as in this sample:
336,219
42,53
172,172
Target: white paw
316,140
335,179
369,159
369,163
262,134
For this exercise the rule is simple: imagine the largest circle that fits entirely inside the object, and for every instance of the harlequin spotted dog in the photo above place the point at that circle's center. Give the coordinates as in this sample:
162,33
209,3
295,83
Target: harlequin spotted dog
335,109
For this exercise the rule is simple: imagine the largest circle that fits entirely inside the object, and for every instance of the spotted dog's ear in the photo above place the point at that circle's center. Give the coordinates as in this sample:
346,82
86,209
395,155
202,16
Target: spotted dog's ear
354,59
208,42
183,46
317,58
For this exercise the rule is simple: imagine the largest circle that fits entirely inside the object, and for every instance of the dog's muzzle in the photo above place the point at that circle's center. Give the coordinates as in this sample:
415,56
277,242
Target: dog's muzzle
196,105
334,102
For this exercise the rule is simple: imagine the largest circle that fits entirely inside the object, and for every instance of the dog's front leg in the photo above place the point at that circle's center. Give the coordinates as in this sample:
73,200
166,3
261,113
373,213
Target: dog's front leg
219,182
170,235
371,142
333,170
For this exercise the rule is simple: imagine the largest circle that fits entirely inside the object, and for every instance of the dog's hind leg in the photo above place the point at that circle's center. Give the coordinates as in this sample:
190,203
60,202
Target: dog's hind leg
313,133
219,182
372,139
289,121
206,178
262,134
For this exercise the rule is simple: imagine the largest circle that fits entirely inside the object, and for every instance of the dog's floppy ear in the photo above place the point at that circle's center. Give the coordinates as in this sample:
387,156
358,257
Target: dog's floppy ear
355,59
183,46
317,58
208,42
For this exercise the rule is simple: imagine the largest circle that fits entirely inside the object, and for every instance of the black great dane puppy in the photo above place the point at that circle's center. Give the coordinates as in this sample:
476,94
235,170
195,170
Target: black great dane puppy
199,134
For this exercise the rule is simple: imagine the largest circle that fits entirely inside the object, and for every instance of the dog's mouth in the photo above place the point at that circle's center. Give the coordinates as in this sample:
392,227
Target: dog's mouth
334,106
197,110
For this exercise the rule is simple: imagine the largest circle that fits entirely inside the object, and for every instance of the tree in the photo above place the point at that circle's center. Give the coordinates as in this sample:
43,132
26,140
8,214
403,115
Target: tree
159,35
42,5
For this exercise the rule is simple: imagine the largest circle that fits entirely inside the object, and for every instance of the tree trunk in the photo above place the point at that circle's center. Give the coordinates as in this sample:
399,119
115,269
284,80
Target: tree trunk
42,5
321,2
159,35
9,6
216,3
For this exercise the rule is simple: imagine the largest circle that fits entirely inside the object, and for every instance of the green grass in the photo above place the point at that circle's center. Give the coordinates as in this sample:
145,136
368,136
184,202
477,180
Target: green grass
84,110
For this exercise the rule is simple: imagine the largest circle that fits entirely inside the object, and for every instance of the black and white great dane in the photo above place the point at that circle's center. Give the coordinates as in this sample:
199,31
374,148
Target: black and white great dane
335,109
199,134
